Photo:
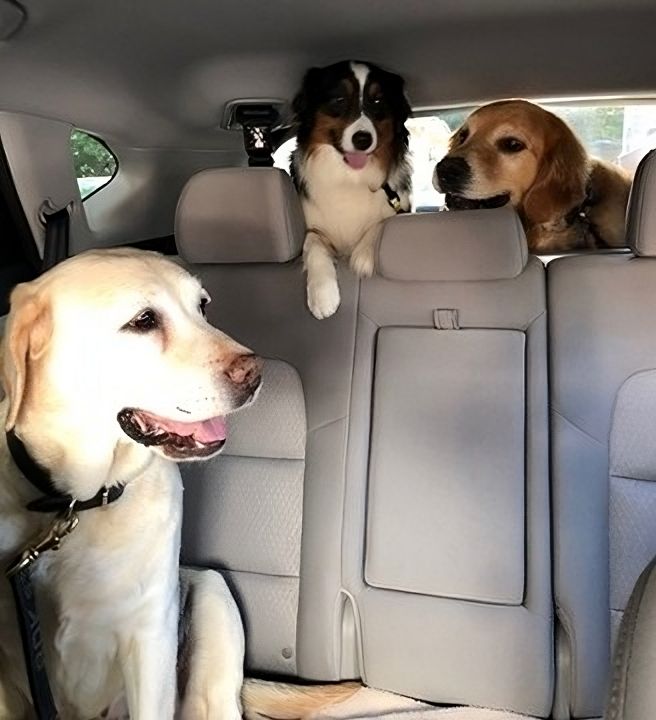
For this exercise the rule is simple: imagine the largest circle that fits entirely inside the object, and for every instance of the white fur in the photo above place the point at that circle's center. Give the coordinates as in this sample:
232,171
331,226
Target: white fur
344,208
361,72
109,597
362,124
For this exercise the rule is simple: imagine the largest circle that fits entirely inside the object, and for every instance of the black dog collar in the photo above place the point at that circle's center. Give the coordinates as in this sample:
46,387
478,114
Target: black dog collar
54,501
393,198
579,214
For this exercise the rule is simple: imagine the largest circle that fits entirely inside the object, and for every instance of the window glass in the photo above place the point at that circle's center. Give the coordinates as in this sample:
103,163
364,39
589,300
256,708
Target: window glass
95,164
620,132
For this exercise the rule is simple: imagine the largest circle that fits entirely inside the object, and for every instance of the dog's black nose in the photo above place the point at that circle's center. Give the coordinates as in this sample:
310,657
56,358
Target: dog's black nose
453,174
362,140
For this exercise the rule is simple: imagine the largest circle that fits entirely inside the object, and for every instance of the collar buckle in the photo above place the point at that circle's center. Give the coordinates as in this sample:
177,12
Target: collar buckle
393,198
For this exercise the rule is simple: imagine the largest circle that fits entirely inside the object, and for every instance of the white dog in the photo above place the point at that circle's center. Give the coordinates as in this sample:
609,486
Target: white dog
111,373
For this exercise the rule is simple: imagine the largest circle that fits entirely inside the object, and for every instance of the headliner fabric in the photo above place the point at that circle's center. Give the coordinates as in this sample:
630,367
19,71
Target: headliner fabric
455,246
239,215
641,218
158,74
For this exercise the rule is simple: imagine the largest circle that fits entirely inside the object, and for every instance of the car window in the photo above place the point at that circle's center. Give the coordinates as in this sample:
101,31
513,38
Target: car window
618,131
95,164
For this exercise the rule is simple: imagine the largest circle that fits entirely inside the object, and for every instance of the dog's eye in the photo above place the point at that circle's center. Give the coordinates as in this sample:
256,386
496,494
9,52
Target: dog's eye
203,305
145,321
462,136
337,101
510,145
377,101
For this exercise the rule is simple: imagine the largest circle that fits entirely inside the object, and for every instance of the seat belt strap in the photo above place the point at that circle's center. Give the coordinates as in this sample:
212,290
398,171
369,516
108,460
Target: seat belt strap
55,248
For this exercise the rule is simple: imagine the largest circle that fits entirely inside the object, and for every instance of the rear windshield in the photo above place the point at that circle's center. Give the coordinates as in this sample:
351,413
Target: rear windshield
620,131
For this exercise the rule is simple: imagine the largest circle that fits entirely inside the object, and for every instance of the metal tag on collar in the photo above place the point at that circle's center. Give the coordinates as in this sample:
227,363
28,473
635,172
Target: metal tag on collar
50,539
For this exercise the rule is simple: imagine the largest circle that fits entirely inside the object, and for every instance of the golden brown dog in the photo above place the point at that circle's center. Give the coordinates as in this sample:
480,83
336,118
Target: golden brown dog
515,151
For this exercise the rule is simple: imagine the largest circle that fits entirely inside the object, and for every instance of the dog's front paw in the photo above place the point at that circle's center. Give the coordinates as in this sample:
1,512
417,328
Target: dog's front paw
362,261
323,298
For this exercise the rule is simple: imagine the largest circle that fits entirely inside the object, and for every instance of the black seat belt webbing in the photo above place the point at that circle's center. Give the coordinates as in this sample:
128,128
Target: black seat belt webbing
55,248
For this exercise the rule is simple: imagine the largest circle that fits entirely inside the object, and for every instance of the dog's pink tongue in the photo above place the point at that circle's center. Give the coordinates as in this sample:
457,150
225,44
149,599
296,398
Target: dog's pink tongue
206,431
211,430
356,160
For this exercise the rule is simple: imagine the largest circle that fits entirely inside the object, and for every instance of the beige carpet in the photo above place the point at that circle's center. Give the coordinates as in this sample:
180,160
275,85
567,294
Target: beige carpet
369,703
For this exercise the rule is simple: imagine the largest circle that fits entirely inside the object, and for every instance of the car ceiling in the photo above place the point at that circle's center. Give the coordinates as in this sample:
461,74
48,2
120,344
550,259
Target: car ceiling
157,73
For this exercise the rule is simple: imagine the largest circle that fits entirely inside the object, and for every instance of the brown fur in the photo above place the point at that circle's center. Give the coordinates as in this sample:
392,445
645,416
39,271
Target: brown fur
27,337
611,186
282,701
327,130
548,180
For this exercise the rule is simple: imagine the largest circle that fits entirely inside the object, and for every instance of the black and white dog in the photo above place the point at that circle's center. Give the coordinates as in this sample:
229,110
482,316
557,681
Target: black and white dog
350,167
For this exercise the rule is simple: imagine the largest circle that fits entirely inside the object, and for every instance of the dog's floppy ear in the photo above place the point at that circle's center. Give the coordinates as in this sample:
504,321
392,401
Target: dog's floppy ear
302,103
26,339
561,181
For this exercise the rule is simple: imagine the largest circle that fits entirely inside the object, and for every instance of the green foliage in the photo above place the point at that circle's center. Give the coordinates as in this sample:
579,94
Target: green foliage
90,157
454,118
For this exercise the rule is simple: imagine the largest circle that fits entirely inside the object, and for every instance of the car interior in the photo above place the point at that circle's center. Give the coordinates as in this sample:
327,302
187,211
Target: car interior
445,489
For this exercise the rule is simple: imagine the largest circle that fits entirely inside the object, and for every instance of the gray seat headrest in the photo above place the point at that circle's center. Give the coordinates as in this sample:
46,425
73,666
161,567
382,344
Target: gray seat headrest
641,214
461,245
239,215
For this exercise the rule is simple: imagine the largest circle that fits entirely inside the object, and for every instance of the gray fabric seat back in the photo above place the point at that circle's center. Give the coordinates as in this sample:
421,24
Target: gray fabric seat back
603,423
447,543
268,511
632,692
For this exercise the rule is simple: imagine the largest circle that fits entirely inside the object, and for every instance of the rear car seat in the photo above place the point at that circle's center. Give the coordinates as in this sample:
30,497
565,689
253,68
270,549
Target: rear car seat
269,509
447,544
603,422
440,363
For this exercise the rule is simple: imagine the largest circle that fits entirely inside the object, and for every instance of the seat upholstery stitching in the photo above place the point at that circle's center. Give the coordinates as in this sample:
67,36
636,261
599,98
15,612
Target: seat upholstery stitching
560,414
